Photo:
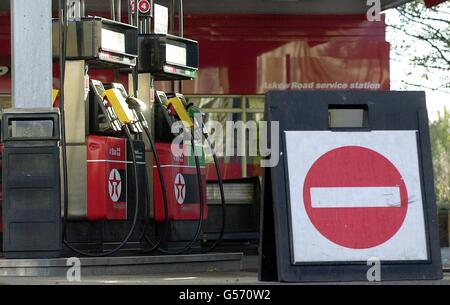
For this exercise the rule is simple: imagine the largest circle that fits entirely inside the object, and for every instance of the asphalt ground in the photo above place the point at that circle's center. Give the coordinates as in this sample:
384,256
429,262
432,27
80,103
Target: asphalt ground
209,278
248,276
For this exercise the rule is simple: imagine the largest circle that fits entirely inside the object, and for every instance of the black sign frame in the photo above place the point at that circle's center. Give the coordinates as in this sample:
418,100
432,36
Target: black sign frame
308,110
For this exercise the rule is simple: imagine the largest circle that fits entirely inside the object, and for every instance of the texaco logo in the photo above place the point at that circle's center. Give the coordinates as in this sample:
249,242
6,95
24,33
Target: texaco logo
114,185
180,188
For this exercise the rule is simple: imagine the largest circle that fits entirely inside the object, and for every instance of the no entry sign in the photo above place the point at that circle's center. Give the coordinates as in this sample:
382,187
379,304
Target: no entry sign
344,196
355,195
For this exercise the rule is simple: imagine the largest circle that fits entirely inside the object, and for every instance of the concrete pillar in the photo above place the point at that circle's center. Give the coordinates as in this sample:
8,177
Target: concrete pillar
31,49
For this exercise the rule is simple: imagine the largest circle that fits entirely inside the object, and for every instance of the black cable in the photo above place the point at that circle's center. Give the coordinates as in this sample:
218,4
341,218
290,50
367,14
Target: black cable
222,197
136,210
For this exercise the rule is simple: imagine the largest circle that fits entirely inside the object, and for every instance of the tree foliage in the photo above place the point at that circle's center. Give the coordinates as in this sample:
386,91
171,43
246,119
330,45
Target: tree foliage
440,146
426,42
422,36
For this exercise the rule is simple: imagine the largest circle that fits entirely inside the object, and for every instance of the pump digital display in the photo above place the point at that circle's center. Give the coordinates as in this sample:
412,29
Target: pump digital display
113,41
176,52
167,57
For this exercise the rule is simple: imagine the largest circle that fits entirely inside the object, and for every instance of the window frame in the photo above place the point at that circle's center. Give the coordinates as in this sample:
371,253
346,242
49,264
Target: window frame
244,110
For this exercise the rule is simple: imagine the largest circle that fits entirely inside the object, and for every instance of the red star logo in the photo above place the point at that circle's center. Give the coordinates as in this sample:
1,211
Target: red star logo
180,188
114,185
115,182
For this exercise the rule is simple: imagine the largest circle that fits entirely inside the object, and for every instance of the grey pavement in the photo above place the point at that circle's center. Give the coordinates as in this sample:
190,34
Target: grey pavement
248,276
211,278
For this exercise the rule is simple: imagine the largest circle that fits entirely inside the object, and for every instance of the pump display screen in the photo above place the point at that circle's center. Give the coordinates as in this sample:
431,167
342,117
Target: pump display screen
176,53
113,41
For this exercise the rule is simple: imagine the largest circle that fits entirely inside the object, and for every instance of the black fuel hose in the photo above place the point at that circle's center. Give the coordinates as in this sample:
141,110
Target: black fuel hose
166,209
222,197
161,177
163,189
146,223
135,80
62,60
62,72
136,210
201,126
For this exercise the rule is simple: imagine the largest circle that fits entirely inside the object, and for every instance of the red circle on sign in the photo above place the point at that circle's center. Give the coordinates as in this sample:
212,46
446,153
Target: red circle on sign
355,227
144,6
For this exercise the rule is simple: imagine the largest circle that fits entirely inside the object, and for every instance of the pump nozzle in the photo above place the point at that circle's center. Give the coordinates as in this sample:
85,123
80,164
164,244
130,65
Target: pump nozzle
138,107
197,116
135,104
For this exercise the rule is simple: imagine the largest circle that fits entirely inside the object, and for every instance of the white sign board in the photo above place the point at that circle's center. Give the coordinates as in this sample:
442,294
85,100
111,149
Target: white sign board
161,19
355,195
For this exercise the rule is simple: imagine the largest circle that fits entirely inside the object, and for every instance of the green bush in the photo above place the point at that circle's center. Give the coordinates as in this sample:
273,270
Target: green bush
440,146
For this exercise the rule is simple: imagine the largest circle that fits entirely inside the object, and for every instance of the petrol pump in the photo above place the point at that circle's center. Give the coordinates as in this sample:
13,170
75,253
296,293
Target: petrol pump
103,162
165,56
121,190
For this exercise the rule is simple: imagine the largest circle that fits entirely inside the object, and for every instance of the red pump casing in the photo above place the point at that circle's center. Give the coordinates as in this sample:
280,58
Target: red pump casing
106,178
180,178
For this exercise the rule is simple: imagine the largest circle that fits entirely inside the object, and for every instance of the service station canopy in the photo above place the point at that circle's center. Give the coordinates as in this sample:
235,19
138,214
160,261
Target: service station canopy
254,6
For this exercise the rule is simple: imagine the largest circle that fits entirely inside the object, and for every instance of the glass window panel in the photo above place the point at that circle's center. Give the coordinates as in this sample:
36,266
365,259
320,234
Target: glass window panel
5,101
230,109
216,102
255,102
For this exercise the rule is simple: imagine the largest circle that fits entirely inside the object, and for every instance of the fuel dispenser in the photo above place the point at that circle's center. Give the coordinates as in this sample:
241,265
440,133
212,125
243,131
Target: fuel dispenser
115,185
187,201
179,171
182,207
102,162
113,191
109,156
172,57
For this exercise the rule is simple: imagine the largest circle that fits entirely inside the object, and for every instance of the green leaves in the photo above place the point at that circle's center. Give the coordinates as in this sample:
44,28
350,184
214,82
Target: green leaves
422,36
440,147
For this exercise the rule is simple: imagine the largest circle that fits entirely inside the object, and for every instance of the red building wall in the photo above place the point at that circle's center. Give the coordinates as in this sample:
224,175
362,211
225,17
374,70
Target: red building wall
5,52
250,54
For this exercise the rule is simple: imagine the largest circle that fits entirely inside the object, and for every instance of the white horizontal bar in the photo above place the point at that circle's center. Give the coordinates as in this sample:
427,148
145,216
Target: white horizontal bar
355,197
178,166
113,161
